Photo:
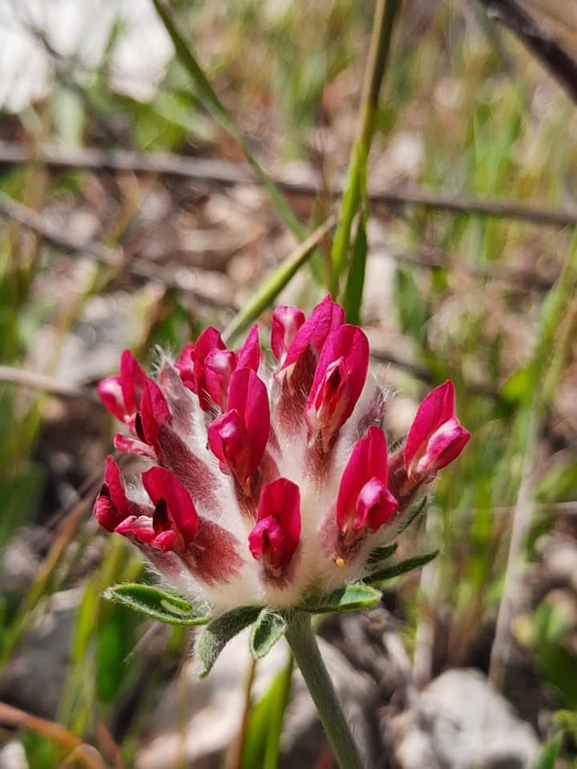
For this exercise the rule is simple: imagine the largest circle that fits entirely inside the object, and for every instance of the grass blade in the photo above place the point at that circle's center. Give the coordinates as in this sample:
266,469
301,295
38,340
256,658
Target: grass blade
266,294
212,103
356,276
356,186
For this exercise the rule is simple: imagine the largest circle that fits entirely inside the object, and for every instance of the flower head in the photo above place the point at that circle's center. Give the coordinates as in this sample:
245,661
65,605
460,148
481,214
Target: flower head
266,486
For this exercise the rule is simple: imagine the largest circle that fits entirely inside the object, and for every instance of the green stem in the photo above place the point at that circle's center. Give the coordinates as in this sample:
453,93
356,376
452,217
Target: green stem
356,186
269,290
301,639
209,98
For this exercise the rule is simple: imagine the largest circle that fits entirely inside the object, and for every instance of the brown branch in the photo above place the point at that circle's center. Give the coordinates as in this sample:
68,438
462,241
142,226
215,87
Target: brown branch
54,236
10,209
221,172
537,40
34,221
35,381
85,755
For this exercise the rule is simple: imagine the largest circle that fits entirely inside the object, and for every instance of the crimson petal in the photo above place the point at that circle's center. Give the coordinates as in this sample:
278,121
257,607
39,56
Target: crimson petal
364,501
239,437
154,413
176,509
339,380
276,536
286,321
191,364
325,317
250,354
121,394
218,368
436,437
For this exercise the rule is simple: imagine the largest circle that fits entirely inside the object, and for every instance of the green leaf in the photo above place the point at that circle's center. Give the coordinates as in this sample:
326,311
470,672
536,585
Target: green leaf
356,275
219,632
518,387
20,488
266,631
262,738
550,624
157,603
87,615
559,484
547,758
558,667
348,598
566,721
401,567
381,553
355,190
114,662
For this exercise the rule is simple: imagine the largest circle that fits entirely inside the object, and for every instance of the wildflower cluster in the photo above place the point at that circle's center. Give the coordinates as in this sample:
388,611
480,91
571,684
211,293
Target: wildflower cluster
265,486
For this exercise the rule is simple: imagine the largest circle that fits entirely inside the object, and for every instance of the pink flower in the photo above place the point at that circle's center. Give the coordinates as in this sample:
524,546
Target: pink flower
121,394
264,487
238,438
112,505
175,520
339,379
312,334
276,535
191,364
207,366
436,437
286,321
364,503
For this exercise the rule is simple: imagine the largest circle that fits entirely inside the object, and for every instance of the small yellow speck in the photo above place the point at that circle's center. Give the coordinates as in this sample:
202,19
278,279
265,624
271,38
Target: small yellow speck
340,563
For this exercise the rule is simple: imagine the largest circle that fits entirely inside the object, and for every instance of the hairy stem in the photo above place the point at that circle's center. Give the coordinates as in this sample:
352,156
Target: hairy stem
301,639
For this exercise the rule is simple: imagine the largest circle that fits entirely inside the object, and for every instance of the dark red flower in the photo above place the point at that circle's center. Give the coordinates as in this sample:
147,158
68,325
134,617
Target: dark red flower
296,460
175,520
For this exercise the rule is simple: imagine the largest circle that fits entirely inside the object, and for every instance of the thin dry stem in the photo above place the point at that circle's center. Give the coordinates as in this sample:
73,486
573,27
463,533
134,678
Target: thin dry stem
227,174
549,51
522,517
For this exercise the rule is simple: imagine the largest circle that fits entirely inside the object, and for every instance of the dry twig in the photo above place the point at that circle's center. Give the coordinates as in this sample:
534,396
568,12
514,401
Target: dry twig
537,40
226,174
85,755
36,381
10,209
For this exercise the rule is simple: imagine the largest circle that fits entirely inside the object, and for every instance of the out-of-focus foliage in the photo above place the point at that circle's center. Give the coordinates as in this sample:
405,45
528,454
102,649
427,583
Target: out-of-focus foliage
464,112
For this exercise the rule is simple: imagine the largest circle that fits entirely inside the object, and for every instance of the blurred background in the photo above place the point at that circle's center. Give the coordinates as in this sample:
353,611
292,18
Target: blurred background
130,217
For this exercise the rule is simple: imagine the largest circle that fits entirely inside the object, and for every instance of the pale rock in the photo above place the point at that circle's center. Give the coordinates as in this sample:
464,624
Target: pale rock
13,756
460,722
